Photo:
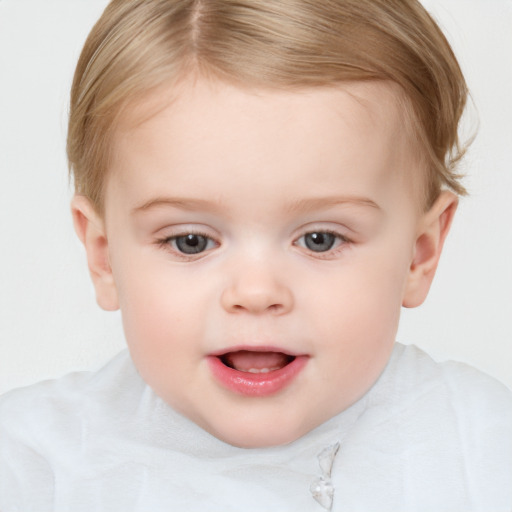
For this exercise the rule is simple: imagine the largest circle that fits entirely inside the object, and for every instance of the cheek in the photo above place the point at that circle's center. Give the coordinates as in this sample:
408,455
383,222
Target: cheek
359,322
370,289
358,344
159,306
162,332
361,309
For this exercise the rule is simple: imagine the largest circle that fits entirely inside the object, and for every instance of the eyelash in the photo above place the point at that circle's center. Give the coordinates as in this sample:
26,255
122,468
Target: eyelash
342,240
166,244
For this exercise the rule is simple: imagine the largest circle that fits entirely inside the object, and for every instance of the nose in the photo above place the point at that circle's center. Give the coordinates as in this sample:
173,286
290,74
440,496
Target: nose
257,291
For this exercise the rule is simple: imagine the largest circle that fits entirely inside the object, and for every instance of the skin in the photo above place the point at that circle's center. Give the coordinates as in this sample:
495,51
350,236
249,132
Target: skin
255,171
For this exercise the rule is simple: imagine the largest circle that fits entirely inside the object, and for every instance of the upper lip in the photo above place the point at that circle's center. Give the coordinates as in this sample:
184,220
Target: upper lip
255,348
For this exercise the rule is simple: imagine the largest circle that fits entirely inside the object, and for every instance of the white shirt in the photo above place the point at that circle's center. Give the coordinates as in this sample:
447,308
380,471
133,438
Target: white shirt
427,437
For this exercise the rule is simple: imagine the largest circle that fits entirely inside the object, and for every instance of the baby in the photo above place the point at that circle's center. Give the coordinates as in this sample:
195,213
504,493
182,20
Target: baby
261,185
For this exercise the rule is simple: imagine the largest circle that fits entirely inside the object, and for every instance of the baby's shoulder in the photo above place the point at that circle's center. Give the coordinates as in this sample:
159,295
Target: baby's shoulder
57,430
439,391
463,383
441,426
40,397
29,414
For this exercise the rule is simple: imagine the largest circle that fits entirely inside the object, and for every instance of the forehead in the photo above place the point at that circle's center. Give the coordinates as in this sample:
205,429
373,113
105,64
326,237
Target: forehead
378,104
234,132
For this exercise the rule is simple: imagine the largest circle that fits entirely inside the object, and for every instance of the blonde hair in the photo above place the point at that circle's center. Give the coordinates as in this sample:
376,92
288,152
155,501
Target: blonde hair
139,45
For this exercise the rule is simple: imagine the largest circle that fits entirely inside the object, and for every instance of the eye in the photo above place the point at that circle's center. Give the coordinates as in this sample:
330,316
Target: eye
321,241
191,243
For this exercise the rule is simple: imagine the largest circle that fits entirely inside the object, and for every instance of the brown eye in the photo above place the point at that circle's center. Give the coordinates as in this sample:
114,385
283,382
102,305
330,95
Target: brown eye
191,243
319,241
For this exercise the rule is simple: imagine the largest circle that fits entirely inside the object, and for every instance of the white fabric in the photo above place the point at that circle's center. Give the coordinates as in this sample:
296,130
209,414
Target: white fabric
427,437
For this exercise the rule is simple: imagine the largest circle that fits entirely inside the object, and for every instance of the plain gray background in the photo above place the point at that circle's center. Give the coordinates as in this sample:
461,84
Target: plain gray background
49,321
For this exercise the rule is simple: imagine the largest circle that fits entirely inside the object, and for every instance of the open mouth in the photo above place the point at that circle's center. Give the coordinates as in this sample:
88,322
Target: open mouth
256,362
256,372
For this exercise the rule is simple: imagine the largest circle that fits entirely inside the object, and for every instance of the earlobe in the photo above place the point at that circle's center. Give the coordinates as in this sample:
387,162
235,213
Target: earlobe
433,229
90,228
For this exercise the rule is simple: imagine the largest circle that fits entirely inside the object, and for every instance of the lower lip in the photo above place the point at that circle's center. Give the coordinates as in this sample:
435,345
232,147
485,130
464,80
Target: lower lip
256,384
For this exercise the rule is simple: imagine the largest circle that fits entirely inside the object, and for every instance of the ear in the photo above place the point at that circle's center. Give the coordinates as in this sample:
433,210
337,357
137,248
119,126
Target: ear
433,228
90,228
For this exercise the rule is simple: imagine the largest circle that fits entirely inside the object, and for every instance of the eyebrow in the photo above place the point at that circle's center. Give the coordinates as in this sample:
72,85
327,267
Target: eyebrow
321,203
183,203
302,205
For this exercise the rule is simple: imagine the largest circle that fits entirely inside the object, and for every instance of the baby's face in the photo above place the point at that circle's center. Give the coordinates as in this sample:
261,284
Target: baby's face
261,245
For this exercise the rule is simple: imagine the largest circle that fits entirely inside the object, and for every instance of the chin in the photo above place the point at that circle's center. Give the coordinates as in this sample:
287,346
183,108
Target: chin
265,440
257,436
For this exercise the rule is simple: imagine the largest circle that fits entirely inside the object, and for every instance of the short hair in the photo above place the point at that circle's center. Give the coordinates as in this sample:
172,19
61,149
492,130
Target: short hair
139,45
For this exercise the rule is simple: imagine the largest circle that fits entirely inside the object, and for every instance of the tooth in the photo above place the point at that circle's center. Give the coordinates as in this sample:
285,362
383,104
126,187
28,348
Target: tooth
261,370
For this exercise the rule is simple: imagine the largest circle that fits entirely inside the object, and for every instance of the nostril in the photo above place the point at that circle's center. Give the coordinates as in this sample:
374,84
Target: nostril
257,297
273,308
